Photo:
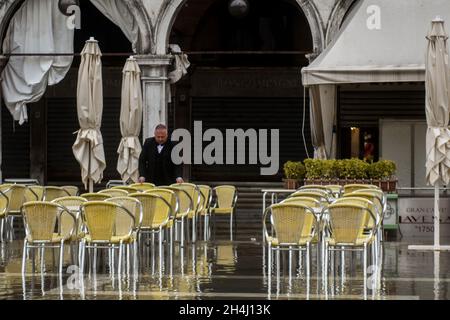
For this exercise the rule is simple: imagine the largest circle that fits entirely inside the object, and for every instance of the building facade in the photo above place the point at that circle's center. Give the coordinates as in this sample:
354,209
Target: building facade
245,56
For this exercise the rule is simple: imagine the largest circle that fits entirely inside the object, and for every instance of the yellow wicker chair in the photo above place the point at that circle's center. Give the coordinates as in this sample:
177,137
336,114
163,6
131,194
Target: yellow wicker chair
307,201
73,204
196,197
72,190
294,226
114,192
157,214
100,219
96,196
40,221
126,188
4,207
123,222
16,196
52,193
319,195
171,197
313,186
376,197
207,197
143,186
376,206
226,199
346,231
185,205
337,190
313,204
34,193
349,188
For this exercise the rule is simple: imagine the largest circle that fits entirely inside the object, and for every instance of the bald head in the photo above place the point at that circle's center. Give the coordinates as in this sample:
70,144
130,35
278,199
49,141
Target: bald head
161,134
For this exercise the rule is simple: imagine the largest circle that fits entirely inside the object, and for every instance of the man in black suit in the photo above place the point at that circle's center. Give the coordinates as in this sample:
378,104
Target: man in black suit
155,163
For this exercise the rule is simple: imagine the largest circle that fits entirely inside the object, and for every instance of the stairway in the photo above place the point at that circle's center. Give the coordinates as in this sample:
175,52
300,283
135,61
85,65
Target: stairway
248,210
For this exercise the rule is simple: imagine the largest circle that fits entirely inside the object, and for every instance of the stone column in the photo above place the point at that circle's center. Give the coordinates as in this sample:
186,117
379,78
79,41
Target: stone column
154,70
3,62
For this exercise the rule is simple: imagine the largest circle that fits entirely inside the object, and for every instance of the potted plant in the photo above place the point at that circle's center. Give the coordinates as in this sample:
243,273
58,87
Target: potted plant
382,174
293,172
314,168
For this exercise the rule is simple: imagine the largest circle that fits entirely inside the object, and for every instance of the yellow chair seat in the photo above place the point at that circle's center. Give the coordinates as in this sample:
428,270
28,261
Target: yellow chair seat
359,242
191,214
155,226
302,241
77,237
55,239
115,239
222,210
169,225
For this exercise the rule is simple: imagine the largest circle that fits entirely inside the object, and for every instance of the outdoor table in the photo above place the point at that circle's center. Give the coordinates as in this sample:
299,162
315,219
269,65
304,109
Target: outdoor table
274,195
26,182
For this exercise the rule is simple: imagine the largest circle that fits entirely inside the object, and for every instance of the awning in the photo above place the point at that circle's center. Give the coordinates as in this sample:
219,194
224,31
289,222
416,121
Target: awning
391,51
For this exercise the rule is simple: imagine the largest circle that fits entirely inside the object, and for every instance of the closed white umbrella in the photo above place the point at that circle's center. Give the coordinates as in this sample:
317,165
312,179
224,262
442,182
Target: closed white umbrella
88,148
130,122
437,111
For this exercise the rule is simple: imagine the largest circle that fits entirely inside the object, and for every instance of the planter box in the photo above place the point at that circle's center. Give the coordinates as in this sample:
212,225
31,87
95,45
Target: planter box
389,186
291,184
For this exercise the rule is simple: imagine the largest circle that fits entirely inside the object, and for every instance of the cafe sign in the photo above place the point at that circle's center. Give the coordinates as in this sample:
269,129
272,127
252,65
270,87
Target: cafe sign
416,217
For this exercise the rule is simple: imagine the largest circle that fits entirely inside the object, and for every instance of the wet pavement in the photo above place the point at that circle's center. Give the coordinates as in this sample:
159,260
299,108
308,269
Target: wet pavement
223,269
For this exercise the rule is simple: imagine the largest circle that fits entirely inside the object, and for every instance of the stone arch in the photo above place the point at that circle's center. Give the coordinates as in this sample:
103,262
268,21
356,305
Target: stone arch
9,7
171,8
337,16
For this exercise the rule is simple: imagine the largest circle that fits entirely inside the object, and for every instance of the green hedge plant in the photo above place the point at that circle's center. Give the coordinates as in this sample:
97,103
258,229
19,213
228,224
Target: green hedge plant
348,169
294,170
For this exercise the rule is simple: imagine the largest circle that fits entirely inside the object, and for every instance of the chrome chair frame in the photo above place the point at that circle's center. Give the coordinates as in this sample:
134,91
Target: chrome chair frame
103,244
288,247
233,206
45,244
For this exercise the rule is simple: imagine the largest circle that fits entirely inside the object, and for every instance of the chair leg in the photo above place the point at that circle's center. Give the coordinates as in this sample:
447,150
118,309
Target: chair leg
194,231
182,232
1,230
308,262
269,254
11,228
231,227
342,264
82,256
278,264
290,263
325,269
160,236
205,226
24,256
135,257
365,270
119,268
42,259
61,257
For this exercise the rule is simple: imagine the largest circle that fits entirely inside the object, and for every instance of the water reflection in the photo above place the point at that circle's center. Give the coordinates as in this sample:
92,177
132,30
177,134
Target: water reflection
225,269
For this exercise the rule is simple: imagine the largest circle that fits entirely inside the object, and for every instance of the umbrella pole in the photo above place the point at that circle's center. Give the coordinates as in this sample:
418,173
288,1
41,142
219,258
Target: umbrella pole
436,217
91,182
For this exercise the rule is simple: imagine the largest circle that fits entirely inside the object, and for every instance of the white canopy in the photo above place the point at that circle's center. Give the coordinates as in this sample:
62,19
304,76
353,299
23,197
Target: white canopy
367,52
